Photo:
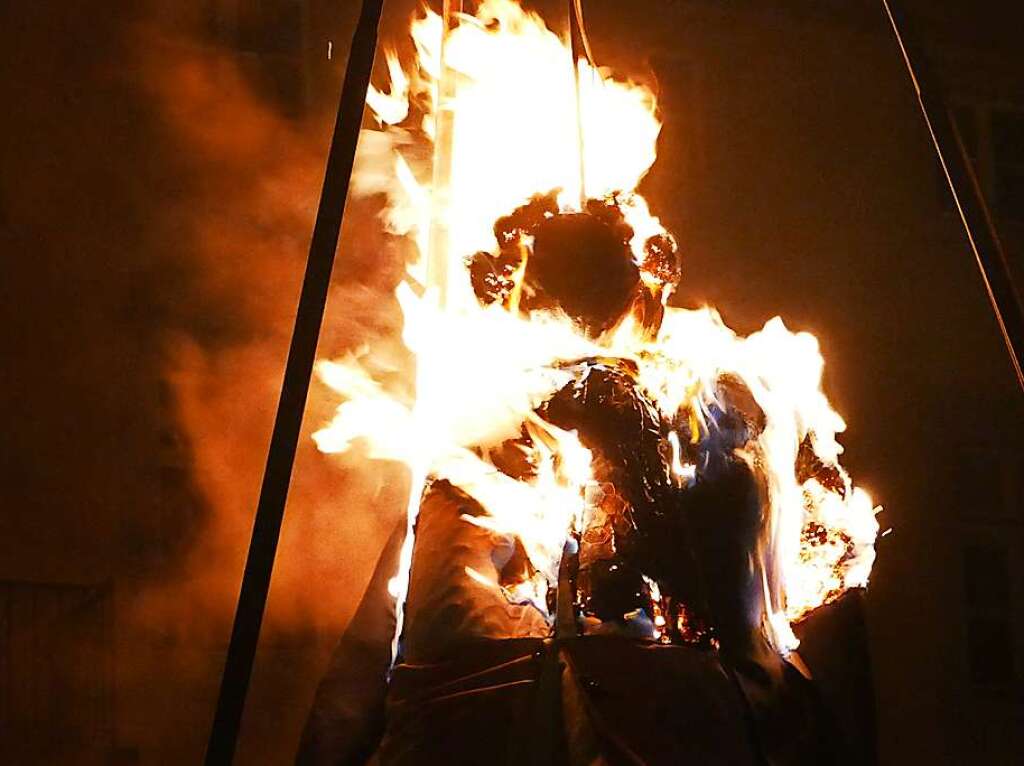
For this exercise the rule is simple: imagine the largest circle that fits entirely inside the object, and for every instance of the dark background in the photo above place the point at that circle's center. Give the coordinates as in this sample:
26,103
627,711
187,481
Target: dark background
160,169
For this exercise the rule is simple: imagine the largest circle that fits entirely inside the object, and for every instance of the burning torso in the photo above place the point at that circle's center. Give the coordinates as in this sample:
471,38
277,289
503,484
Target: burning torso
555,385
586,459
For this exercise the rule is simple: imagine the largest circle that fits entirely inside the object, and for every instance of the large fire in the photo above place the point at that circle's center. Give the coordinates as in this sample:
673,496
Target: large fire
512,120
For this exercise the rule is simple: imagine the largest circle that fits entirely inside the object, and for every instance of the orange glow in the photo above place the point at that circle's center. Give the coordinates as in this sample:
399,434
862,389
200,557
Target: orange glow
482,371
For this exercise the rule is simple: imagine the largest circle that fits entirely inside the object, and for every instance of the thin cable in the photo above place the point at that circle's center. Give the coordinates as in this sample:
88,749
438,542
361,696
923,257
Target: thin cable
1008,339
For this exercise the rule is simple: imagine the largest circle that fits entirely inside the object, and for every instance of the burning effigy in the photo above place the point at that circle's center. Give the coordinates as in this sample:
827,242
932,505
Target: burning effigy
618,508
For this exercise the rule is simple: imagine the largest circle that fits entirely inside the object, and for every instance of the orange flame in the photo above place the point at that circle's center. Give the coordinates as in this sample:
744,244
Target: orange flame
482,371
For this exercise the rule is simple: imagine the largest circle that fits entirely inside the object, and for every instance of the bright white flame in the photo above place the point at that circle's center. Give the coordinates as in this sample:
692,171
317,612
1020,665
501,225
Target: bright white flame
484,371
393,107
515,130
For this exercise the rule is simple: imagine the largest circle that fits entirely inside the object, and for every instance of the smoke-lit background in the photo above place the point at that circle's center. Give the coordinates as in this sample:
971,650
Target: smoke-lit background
161,163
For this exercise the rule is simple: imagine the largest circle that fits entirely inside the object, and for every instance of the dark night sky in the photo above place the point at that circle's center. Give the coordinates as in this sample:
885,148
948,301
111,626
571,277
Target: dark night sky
154,214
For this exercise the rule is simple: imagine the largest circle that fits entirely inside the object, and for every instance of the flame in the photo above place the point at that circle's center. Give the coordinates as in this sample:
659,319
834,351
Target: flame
483,371
517,129
392,107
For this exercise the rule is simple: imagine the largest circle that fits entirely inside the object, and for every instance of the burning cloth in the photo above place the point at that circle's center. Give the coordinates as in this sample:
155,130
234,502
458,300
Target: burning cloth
651,648
622,512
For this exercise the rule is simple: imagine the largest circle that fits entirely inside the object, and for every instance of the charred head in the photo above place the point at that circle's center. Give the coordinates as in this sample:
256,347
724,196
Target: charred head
581,263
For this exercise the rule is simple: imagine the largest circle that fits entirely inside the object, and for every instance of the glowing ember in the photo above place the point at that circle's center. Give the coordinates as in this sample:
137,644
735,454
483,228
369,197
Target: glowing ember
485,370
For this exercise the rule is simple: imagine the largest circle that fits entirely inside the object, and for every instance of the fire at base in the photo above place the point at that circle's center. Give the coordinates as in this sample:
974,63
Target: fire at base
584,418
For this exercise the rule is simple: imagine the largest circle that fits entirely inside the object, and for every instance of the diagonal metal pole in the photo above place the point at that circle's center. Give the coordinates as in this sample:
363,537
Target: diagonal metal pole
980,228
301,354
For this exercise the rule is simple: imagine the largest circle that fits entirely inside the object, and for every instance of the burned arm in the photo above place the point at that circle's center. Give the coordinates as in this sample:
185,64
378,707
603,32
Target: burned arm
347,718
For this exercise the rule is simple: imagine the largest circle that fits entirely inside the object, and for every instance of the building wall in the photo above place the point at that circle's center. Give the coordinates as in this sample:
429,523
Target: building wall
56,673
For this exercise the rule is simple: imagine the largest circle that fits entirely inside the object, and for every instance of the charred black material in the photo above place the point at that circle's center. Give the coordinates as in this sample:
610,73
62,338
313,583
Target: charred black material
580,263
476,669
810,466
724,510
696,542
492,276
647,533
610,588
525,219
617,420
583,262
661,259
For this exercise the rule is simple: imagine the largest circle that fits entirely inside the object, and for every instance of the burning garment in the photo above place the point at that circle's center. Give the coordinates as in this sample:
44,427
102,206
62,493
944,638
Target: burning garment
650,646
619,508
474,685
588,412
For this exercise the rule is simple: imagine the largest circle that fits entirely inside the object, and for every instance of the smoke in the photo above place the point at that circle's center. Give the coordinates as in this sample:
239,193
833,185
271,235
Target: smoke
245,221
155,211
242,220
